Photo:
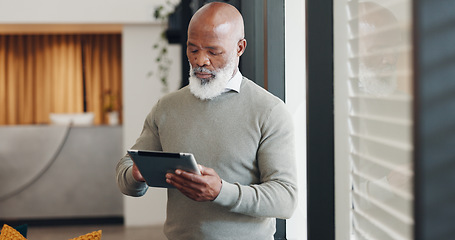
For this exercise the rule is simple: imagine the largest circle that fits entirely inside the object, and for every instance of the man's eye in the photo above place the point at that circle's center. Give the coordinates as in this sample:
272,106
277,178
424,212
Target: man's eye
214,53
193,51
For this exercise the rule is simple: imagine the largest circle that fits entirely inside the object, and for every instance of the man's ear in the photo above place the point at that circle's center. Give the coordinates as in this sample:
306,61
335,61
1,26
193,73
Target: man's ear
241,46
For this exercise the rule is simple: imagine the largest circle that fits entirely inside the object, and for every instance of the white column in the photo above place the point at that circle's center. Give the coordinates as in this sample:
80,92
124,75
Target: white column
296,101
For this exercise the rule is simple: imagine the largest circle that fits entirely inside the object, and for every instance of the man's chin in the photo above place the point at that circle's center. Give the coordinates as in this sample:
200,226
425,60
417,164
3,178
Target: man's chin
205,81
206,91
209,85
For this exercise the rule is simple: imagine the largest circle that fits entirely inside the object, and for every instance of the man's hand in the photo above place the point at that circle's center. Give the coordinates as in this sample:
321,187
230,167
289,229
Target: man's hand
204,187
137,175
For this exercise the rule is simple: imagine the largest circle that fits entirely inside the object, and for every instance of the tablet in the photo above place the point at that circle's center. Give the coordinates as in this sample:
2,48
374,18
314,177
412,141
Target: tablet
154,165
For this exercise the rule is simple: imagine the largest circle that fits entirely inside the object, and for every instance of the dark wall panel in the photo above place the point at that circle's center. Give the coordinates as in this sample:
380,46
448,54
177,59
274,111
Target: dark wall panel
435,119
320,120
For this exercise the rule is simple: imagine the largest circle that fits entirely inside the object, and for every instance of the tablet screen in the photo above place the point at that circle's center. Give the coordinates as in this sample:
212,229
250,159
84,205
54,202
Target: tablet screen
154,165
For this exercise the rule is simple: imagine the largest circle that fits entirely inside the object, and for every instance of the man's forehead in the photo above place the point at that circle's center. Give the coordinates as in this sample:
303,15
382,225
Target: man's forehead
209,38
223,29
216,45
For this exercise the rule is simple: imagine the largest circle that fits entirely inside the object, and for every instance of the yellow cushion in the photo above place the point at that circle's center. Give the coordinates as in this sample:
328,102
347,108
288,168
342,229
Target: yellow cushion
9,233
89,236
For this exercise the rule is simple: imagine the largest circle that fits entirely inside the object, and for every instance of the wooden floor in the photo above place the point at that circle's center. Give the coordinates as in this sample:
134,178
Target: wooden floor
109,232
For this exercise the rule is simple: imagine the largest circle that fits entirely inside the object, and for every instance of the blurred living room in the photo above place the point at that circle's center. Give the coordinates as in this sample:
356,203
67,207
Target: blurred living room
70,73
369,85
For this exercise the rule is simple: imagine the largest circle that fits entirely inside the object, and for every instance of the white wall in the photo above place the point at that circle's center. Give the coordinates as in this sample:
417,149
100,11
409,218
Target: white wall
140,92
296,102
81,11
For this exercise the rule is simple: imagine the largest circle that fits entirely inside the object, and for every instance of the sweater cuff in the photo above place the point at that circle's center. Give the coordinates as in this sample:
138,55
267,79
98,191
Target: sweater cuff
229,194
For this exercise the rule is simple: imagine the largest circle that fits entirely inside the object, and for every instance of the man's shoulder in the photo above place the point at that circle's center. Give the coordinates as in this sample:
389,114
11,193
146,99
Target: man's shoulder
176,97
262,102
256,93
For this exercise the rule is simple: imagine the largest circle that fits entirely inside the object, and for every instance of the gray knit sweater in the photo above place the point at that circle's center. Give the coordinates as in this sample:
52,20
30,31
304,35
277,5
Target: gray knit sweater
247,138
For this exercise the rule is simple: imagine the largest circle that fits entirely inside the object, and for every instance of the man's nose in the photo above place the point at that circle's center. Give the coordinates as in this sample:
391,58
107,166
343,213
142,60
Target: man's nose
202,60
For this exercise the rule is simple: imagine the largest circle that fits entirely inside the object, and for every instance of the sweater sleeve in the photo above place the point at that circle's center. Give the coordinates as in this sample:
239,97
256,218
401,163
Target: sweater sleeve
148,140
276,194
125,180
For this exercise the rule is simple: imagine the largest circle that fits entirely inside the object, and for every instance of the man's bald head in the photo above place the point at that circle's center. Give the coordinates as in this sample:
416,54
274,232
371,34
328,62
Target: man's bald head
221,18
215,36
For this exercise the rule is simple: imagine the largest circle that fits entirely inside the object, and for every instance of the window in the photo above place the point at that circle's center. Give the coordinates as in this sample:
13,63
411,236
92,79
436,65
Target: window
374,115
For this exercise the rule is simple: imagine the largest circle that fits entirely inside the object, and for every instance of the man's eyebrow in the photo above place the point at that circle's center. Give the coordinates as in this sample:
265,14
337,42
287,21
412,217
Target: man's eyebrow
208,47
212,48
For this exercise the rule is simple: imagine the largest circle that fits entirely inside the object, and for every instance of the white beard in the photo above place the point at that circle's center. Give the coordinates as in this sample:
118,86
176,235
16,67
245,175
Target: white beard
210,89
379,82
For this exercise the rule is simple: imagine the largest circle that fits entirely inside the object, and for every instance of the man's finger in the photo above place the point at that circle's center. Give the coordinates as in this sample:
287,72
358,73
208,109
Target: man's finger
189,176
207,171
183,180
189,189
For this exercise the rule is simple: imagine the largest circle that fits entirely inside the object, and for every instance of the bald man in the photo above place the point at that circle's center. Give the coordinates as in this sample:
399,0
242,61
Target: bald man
240,134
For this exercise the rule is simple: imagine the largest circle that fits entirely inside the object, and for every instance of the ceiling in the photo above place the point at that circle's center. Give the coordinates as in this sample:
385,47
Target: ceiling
59,28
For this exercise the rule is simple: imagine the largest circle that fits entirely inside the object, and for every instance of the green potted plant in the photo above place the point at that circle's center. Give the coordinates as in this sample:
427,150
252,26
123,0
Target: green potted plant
163,60
110,110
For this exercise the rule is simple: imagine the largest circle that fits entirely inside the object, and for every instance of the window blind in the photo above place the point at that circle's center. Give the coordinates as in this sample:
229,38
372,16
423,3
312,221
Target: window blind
380,119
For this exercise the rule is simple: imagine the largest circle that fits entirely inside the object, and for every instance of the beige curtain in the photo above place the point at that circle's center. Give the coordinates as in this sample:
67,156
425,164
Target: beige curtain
43,74
102,56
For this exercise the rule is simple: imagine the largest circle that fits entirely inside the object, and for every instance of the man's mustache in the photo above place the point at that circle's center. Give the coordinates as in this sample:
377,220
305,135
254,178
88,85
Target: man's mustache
203,70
